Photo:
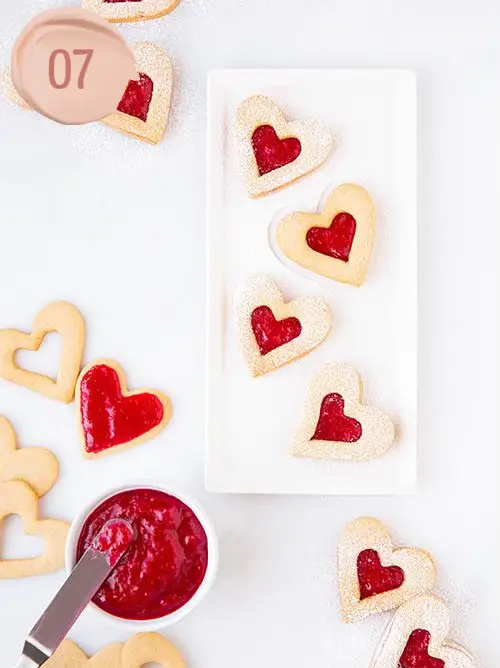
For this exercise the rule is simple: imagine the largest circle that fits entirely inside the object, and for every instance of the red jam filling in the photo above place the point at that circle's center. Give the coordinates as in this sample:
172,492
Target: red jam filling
336,240
271,333
122,0
333,425
108,417
165,565
271,152
416,654
114,539
374,578
138,95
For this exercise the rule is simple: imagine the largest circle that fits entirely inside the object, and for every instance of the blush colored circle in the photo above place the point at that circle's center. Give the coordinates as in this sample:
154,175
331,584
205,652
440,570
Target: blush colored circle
72,66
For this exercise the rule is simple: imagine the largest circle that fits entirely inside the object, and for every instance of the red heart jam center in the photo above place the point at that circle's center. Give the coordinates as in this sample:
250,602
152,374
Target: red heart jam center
108,417
333,424
416,652
336,240
137,97
271,152
271,333
374,578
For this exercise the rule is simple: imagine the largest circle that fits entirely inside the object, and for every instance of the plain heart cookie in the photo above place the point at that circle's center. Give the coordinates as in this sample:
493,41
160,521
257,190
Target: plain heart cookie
337,242
37,467
112,418
144,109
273,332
274,152
417,638
122,11
62,318
374,576
17,498
139,650
336,424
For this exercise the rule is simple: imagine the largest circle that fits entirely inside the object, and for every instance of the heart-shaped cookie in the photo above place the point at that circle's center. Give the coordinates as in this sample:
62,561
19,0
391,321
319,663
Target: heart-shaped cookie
335,424
145,106
337,242
273,332
36,466
375,577
139,650
122,11
60,317
416,638
275,152
112,418
144,109
17,498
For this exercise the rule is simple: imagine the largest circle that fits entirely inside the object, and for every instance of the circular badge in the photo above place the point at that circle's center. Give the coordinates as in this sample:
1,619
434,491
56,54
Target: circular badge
72,66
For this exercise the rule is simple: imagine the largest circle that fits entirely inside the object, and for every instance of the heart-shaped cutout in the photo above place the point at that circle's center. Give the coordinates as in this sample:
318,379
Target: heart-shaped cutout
37,467
139,650
122,11
374,576
335,424
337,242
59,317
112,418
144,109
17,498
273,332
416,638
275,152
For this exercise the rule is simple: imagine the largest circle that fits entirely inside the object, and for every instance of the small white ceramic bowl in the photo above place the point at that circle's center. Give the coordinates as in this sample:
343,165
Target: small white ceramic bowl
213,555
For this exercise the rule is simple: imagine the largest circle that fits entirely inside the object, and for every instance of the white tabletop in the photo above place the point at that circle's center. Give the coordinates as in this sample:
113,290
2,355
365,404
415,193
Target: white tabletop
117,227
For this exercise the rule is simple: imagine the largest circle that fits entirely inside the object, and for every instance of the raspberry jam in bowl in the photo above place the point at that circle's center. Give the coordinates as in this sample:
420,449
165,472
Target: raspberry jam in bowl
168,568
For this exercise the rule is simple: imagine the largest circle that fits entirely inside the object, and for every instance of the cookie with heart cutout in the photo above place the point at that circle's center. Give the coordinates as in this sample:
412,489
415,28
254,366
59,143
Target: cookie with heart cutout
145,106
144,109
67,321
139,650
336,424
375,577
417,638
274,152
273,332
124,11
37,467
17,498
337,242
112,418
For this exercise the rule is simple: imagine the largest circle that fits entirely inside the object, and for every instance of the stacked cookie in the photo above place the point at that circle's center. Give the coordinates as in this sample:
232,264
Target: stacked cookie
374,577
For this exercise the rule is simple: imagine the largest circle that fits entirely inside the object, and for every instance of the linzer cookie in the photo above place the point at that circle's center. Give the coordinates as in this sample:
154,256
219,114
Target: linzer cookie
273,332
274,151
417,638
122,11
17,498
336,424
112,418
139,650
145,106
62,318
373,575
337,242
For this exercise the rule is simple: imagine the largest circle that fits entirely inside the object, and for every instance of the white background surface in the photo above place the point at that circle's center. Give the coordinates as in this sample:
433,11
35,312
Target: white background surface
118,227
374,327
